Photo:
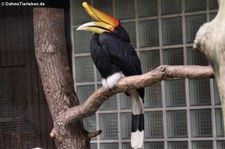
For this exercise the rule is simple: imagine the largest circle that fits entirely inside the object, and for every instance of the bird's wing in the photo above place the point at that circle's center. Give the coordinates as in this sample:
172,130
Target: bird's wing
123,55
101,58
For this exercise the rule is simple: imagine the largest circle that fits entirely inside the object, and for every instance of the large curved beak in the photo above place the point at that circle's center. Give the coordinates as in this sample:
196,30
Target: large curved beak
105,22
96,27
100,16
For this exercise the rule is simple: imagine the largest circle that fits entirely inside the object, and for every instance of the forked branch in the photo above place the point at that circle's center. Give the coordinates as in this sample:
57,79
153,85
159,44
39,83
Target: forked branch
163,72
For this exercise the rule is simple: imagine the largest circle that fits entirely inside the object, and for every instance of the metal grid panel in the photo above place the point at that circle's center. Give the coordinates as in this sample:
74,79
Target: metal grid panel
213,4
193,5
79,14
177,145
194,57
104,5
172,30
177,124
216,93
212,16
201,123
175,93
153,96
220,144
109,124
82,42
94,146
173,56
90,123
85,69
125,145
125,102
179,113
130,28
192,26
109,145
149,60
110,104
154,145
84,91
199,92
171,6
149,33
125,120
154,123
219,124
124,9
147,8
202,144
15,126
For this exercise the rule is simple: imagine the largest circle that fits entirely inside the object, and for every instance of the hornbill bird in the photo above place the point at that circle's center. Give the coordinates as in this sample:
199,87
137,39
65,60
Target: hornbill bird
115,58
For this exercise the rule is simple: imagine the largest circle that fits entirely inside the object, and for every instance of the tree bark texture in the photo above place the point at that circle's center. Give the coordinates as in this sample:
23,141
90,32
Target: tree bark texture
163,72
56,76
210,40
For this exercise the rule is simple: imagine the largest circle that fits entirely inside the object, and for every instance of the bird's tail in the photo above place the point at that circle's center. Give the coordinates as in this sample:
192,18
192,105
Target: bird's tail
137,134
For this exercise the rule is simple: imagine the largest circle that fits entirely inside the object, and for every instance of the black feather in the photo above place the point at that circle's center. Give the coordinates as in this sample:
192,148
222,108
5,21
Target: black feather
112,52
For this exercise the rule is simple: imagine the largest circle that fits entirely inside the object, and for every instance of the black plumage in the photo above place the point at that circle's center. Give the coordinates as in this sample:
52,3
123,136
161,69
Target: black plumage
112,52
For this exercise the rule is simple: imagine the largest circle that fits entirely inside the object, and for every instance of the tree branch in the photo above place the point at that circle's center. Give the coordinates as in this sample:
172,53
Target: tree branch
164,72
94,133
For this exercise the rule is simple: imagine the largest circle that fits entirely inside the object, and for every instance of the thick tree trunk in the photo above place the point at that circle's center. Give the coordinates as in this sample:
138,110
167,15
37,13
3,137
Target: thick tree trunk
210,40
51,55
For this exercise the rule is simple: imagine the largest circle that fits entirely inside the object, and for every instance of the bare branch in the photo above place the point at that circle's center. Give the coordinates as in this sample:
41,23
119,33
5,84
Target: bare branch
94,133
164,72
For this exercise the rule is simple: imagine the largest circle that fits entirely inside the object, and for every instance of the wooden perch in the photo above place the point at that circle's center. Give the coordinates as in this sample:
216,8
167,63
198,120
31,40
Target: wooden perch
210,40
164,72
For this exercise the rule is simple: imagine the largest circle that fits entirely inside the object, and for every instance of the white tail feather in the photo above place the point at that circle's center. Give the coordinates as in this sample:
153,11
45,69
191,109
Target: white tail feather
137,103
137,137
